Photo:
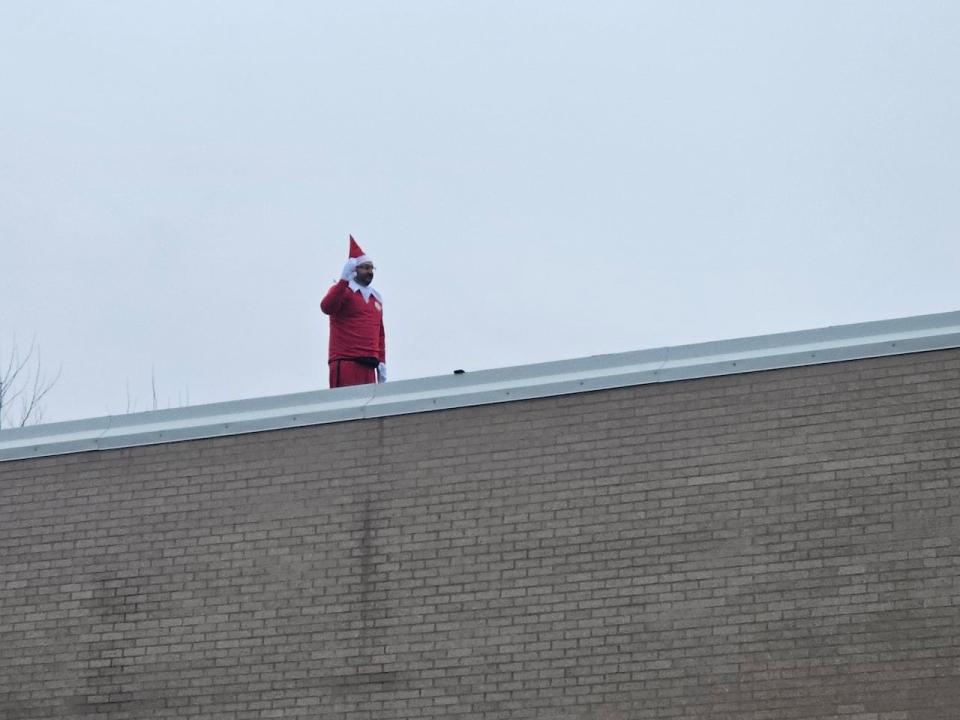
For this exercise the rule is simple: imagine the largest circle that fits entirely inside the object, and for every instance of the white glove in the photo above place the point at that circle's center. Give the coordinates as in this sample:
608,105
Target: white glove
349,270
382,373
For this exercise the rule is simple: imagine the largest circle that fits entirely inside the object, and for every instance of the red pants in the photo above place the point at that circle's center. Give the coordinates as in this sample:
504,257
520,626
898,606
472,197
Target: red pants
348,372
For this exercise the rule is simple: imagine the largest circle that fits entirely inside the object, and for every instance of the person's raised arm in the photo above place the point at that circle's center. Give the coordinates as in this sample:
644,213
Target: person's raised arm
334,298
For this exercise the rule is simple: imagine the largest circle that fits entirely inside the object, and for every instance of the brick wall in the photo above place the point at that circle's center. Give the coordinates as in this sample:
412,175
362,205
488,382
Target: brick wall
769,545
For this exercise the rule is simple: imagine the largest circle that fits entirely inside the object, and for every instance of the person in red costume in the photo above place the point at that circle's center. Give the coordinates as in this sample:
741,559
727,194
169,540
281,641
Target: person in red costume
358,351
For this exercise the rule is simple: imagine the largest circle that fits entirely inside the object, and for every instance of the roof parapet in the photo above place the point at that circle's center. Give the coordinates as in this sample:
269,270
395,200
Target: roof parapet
523,382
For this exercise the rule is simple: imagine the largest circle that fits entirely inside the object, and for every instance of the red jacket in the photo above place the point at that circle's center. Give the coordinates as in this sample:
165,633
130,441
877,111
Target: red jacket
356,325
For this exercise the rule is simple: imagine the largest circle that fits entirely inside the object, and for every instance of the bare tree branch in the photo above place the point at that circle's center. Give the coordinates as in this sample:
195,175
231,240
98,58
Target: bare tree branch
153,386
23,386
31,409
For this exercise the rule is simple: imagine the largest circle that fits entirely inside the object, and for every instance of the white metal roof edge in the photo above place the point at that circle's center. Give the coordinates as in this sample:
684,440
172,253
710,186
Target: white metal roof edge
725,357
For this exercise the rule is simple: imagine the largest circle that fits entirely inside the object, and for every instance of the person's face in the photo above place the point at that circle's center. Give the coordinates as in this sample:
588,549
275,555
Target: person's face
365,274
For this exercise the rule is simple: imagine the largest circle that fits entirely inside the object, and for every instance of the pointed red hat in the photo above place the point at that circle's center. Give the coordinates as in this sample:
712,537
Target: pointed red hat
357,253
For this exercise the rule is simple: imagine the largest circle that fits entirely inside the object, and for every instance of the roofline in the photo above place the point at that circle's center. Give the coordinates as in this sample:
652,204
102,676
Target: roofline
523,382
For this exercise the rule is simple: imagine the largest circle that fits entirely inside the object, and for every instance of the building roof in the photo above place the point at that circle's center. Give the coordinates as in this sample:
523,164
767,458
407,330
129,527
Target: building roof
725,357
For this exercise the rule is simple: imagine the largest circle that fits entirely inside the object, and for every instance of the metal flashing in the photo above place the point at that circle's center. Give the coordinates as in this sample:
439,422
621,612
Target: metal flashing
602,372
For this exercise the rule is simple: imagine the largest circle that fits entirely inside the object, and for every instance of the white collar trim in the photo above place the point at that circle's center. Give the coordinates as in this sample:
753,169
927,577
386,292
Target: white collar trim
365,291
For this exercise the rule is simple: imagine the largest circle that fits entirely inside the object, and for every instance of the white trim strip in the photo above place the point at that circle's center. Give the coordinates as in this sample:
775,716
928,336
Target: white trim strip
684,362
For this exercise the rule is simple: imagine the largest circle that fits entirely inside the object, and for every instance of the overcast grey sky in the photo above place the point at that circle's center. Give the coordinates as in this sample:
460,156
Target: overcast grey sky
535,180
